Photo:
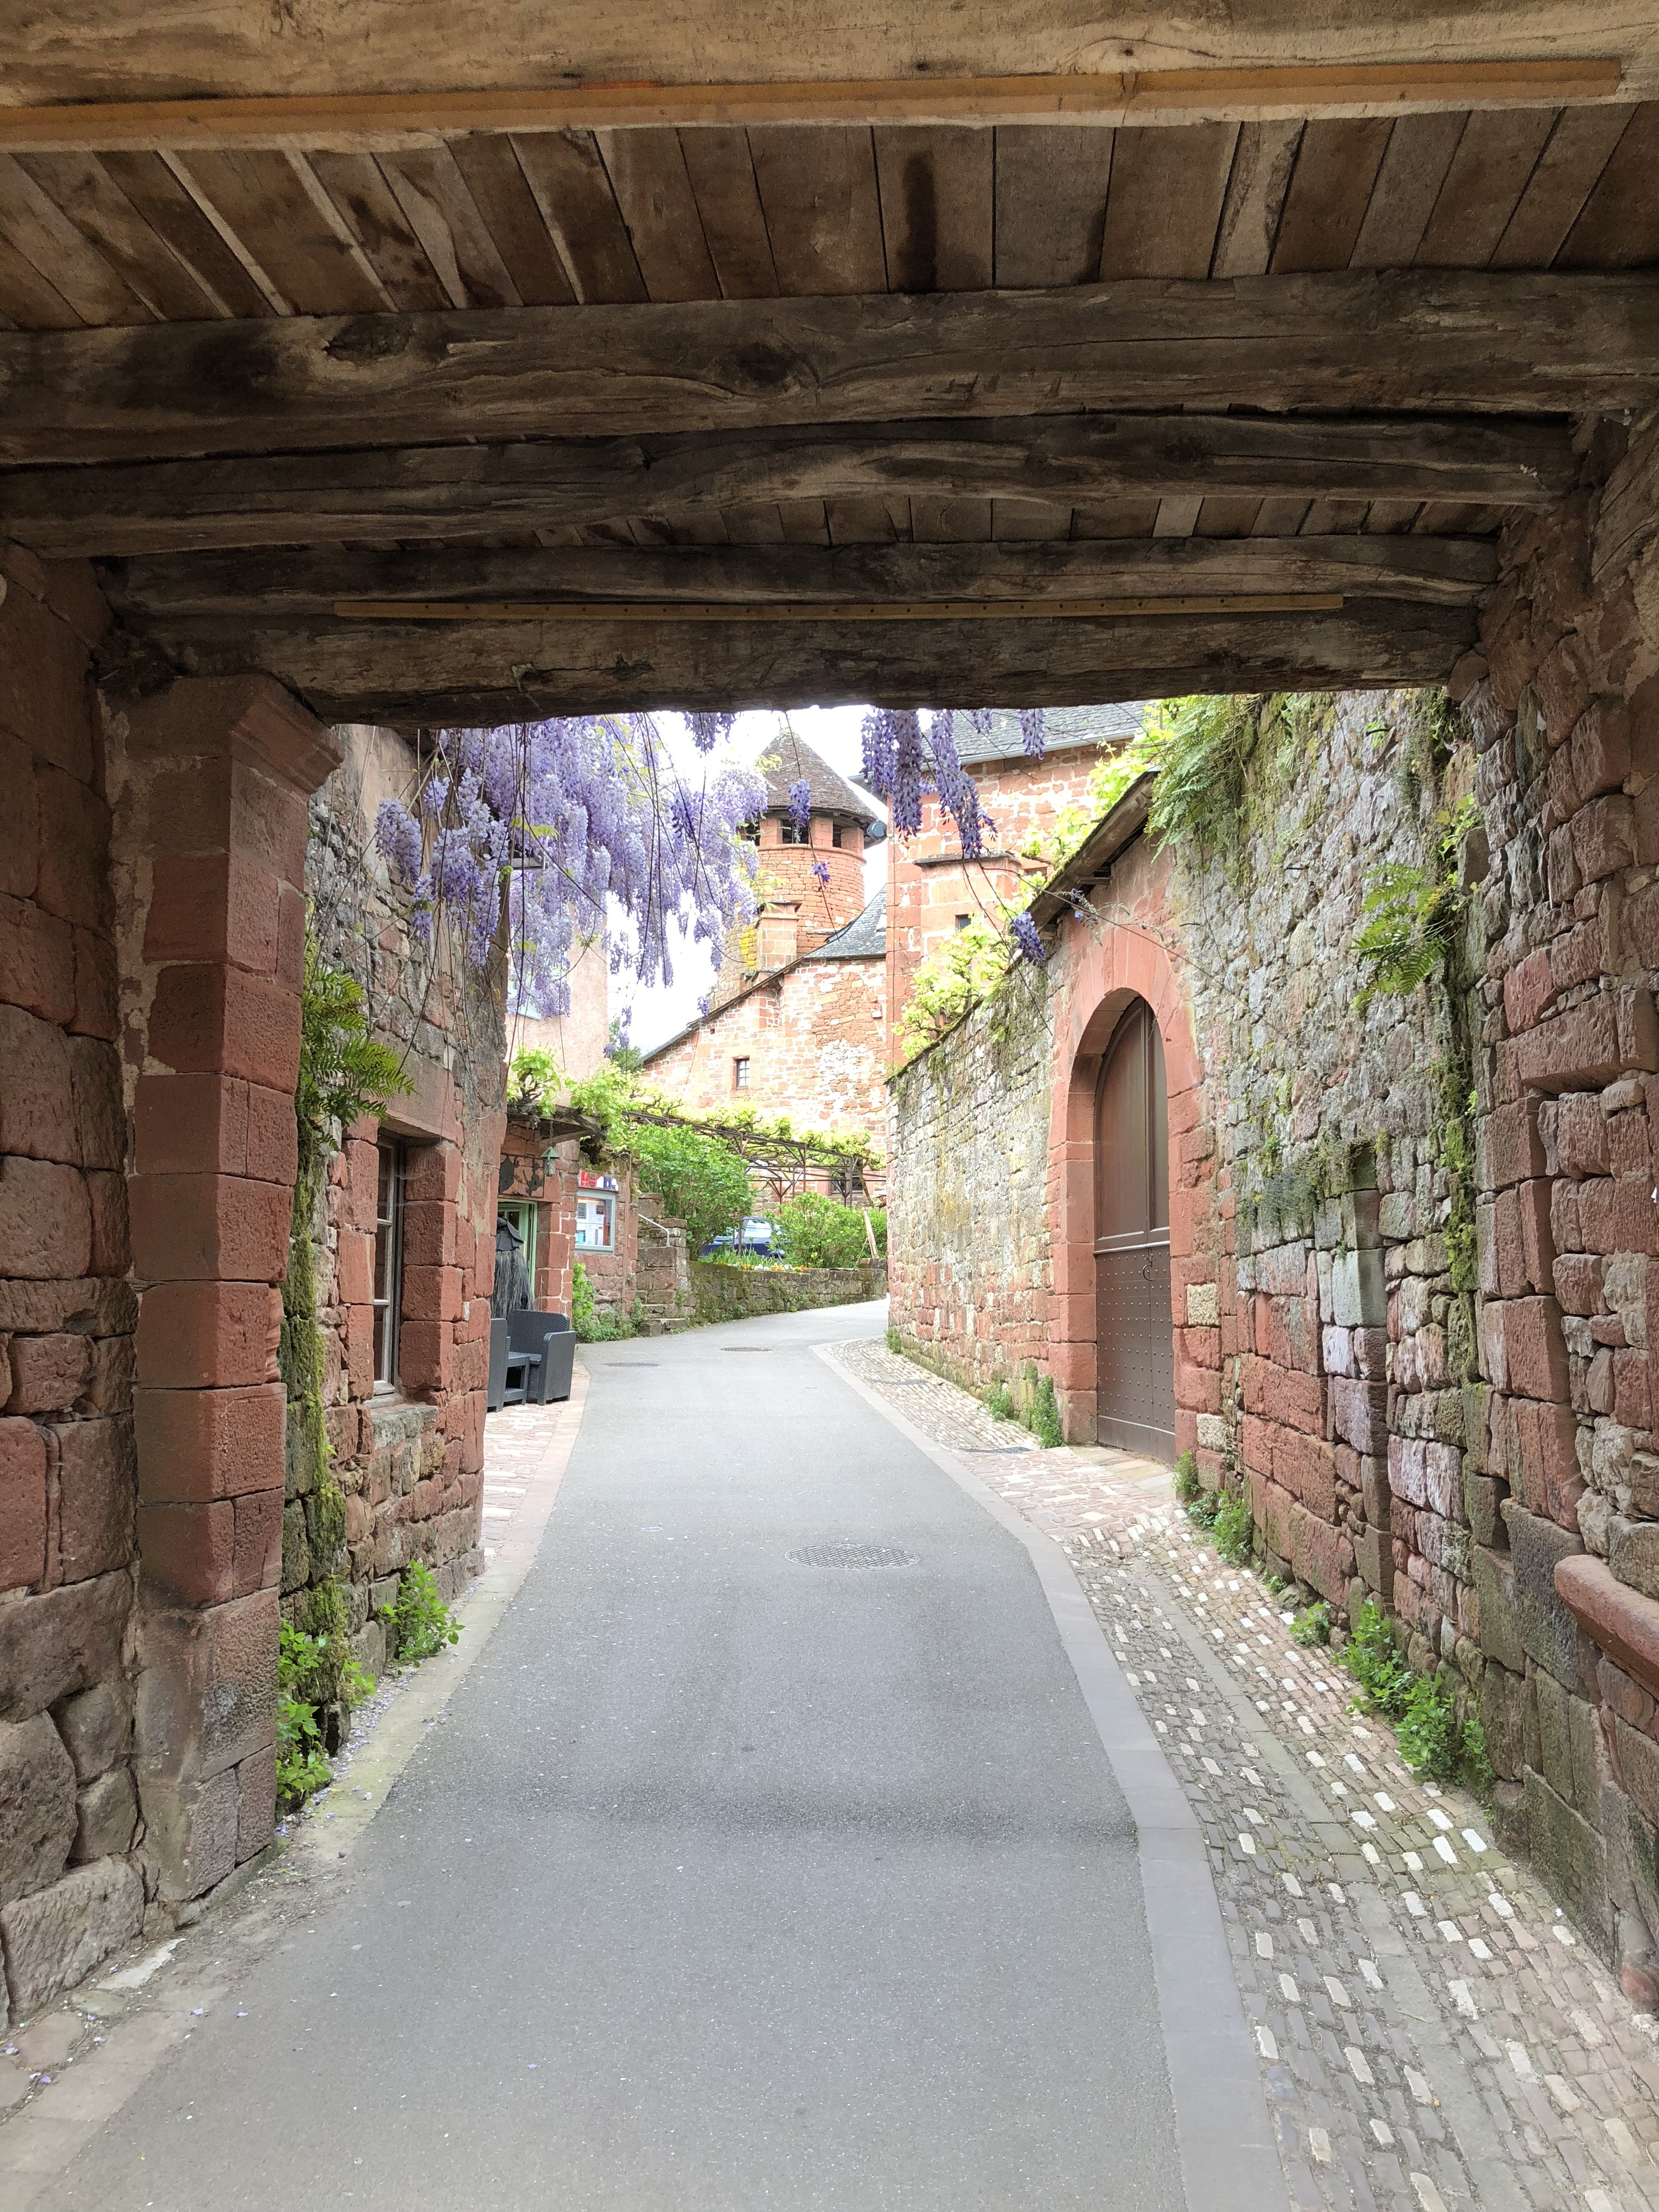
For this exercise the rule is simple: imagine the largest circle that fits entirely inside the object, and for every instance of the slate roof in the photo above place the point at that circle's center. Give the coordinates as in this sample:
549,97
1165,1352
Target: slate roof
863,938
1066,727
832,793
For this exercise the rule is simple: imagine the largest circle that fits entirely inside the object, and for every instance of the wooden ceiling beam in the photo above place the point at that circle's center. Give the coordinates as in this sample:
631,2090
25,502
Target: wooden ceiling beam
1355,341
385,121
289,586
419,672
497,491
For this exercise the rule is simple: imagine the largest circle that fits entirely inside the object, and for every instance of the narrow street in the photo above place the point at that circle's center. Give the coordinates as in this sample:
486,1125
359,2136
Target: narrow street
729,1878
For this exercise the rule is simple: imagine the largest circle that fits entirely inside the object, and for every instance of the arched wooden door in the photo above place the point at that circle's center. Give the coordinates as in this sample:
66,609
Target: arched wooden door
1135,1347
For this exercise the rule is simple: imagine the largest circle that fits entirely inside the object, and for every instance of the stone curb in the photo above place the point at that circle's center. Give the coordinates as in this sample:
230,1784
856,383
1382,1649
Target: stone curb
40,2143
1228,2155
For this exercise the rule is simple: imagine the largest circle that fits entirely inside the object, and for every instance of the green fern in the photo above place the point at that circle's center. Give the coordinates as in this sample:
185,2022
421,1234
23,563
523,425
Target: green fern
344,1072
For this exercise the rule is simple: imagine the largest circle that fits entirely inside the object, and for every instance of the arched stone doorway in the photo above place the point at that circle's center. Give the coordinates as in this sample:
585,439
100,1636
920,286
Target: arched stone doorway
1134,1341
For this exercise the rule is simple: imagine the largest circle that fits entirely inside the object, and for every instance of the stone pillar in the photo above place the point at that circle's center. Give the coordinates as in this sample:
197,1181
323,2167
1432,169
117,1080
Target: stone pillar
212,846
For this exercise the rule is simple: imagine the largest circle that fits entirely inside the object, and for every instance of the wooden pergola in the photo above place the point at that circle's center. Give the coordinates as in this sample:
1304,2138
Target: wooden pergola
465,365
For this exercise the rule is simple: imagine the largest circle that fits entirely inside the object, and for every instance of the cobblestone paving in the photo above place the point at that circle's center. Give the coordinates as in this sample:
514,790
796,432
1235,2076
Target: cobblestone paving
1432,2036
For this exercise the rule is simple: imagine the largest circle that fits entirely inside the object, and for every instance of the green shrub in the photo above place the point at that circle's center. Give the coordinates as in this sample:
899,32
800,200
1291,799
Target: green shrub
1312,1625
820,1233
421,1622
701,1179
1187,1484
1235,1530
303,1666
1432,1737
1000,1403
1042,1418
589,1324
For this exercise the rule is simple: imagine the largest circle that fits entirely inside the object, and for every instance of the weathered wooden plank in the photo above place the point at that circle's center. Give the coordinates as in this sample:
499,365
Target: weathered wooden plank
653,192
369,209
1627,520
429,491
1350,340
1618,227
1262,164
86,192
1453,571
504,199
431,193
1050,204
38,229
1336,168
1496,155
1580,147
722,174
314,263
1164,206
564,170
26,300
1420,153
817,187
938,208
170,211
431,672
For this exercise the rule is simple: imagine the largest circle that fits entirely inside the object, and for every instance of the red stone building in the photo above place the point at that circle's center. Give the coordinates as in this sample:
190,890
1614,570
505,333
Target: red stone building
798,1022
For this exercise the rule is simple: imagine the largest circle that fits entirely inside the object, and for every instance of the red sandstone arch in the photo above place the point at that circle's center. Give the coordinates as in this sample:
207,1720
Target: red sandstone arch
1121,964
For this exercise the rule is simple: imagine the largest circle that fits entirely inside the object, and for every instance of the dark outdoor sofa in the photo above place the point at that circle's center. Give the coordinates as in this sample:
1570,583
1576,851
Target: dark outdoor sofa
532,1357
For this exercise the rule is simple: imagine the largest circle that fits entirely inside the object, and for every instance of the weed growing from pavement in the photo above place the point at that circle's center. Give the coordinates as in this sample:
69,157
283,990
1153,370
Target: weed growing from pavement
302,1767
421,1622
1312,1625
1433,1738
1043,1417
1000,1403
895,1342
1235,1530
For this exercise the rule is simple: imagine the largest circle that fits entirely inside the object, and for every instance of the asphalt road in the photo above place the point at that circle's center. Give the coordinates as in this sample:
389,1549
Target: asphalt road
729,1881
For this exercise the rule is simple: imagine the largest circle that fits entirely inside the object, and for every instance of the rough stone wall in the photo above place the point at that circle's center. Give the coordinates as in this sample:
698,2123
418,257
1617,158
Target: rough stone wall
70,1886
814,1037
724,1293
408,1461
1566,1519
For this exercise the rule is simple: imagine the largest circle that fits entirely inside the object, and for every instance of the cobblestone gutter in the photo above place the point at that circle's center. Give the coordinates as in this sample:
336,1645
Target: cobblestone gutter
1432,2034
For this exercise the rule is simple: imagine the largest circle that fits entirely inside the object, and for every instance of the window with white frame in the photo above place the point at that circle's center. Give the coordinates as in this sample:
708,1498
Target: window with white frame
596,1222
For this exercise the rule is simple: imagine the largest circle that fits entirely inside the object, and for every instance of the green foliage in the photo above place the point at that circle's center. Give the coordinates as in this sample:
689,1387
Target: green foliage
1227,763
1416,914
1312,1625
1043,1415
304,1681
1373,1658
894,1342
822,1232
1476,1765
344,1072
534,1081
1000,1402
1426,1729
1432,1738
1204,1510
1188,1486
357,1685
952,980
1107,782
421,1622
1235,1531
590,1325
699,1180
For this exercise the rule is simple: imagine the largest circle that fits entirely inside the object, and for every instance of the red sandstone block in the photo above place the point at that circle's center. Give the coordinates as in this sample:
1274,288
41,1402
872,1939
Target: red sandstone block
258,1559
360,1350
97,1012
22,1504
358,1167
19,819
472,1366
1297,1400
45,1220
1635,1217
1322,1555
1562,683
1595,1215
200,1227
1561,795
1197,1387
429,1234
434,1173
191,1125
44,697
1537,1243
37,961
1603,838
1510,1144
273,1141
1581,1134
196,1444
37,1099
1570,1051
1359,1413
214,907
1577,1278
207,1018
188,1552
1620,1620
1633,1404
73,876
1255,1444
1306,1467
1535,1353
1527,990
1628,1153
48,1373
354,1269
112,1245
202,1336
96,1492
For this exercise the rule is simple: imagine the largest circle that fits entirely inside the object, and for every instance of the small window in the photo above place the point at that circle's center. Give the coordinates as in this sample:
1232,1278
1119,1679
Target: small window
791,832
962,921
596,1222
740,1075
838,833
388,1259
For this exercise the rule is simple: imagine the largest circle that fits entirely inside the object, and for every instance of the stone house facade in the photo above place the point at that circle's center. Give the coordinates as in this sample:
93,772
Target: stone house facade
157,848
1411,1245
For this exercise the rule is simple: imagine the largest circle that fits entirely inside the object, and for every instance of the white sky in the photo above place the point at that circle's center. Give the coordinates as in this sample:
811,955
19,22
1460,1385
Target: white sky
833,733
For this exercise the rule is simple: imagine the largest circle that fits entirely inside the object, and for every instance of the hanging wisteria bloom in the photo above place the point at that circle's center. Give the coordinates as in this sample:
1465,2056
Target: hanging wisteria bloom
800,804
568,821
821,871
1026,936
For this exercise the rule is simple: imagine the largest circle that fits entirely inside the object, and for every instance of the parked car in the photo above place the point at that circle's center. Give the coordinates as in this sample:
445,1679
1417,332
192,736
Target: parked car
752,1235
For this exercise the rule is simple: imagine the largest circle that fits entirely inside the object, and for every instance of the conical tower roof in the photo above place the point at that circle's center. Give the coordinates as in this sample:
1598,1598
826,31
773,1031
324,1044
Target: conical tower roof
795,762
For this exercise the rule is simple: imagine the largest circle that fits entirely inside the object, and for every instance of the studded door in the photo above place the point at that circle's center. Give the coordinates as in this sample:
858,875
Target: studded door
1135,1346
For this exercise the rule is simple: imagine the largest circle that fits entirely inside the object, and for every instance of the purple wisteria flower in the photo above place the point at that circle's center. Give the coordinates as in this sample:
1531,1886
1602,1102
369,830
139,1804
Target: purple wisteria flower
901,761
1033,731
800,804
708,730
821,871
1024,931
554,825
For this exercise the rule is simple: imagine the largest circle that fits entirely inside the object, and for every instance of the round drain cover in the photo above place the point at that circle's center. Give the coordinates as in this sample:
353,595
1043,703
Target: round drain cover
851,1555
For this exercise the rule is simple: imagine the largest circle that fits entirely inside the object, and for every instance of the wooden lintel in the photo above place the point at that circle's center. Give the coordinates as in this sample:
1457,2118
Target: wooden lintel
288,584
412,672
390,119
1348,342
